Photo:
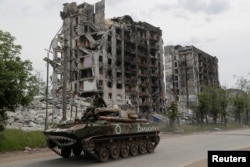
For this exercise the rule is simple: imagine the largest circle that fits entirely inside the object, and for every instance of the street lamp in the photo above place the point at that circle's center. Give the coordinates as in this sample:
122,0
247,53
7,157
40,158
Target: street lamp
47,90
47,78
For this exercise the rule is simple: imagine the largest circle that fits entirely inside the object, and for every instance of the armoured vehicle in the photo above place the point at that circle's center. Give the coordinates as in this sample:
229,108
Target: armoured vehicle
109,133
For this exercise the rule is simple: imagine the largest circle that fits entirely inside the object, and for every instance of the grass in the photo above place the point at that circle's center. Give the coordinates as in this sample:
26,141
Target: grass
16,139
186,129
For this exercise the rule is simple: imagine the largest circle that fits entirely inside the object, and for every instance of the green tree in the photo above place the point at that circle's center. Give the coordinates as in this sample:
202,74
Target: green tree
239,102
223,105
216,102
172,113
204,105
213,102
17,84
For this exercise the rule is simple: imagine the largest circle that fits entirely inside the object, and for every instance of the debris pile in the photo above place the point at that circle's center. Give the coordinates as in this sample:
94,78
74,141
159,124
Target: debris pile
33,116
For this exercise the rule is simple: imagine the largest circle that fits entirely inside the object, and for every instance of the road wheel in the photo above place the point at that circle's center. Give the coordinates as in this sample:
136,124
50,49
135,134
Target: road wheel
156,139
65,152
133,150
150,147
124,151
103,154
114,152
142,148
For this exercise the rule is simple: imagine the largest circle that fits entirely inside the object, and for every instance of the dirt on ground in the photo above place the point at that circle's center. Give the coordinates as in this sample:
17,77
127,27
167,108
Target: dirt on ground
201,163
19,155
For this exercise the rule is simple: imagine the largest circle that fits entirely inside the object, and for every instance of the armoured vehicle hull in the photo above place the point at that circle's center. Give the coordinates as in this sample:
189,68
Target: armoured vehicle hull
105,136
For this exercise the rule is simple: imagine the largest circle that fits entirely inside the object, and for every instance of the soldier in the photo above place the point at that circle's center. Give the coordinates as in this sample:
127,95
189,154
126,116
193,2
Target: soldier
97,102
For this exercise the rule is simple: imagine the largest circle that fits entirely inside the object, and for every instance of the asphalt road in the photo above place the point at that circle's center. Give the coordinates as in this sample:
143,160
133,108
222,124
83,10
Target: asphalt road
177,151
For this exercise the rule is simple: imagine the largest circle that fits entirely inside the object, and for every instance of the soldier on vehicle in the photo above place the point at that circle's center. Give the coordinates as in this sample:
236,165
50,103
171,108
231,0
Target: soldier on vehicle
97,102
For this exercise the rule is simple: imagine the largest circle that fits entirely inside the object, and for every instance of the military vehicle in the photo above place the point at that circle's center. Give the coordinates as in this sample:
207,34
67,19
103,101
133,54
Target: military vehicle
109,133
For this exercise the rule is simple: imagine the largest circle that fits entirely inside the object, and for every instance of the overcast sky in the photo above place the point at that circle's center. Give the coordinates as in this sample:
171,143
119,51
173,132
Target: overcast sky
220,28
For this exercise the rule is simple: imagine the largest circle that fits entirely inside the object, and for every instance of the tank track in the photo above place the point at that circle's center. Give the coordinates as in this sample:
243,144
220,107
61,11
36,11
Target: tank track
106,148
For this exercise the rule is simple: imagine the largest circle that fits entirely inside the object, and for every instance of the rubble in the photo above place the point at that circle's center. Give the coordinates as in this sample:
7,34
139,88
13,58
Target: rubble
33,116
27,149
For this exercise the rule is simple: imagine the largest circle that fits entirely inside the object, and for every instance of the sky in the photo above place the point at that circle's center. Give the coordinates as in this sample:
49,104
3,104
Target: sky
220,28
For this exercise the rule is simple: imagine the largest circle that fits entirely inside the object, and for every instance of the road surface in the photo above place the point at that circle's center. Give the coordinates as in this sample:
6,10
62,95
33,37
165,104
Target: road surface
173,151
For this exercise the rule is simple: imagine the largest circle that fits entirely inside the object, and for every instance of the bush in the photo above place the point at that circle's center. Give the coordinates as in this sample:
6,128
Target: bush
1,127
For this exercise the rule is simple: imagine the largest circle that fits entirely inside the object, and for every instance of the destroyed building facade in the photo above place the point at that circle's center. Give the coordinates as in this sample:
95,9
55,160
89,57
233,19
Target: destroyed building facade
187,70
119,58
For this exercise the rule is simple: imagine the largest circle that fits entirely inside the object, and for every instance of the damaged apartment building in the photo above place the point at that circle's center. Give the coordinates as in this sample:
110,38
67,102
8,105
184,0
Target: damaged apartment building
119,58
188,70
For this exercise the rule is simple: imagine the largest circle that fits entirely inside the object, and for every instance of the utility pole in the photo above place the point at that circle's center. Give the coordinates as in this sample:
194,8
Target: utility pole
67,56
47,79
64,99
47,96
